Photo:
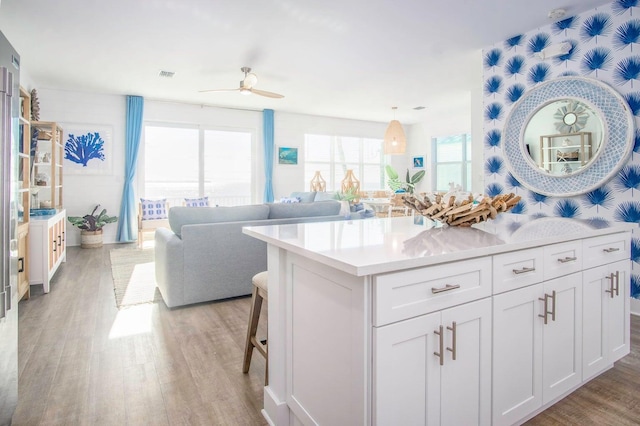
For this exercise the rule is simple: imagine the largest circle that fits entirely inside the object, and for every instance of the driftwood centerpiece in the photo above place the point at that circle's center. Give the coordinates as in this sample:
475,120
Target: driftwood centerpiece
461,212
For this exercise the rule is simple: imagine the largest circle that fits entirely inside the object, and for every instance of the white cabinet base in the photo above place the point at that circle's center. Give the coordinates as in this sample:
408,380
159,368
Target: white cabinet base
47,247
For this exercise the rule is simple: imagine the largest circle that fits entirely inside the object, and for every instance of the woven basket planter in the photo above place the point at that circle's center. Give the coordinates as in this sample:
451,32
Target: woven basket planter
91,239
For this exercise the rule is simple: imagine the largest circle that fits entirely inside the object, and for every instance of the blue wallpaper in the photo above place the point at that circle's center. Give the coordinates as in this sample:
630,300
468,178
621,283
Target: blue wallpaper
605,45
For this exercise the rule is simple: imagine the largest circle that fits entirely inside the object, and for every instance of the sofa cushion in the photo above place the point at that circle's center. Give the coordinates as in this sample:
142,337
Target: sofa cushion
325,196
322,208
305,197
180,216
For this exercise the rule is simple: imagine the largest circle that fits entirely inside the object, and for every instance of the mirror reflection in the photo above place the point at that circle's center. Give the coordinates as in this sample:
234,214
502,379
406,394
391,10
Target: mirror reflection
563,136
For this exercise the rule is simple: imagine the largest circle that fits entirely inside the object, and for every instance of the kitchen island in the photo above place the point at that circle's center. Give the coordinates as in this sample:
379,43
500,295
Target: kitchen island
392,321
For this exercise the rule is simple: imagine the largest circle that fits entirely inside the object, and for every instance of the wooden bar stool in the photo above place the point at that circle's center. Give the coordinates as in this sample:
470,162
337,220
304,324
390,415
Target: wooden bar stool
257,296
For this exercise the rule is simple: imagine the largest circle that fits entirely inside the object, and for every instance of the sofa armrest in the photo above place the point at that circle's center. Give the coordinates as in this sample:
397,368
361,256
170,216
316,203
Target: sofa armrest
169,266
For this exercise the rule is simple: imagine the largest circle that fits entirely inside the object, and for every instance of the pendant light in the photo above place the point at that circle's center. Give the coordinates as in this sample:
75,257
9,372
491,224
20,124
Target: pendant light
394,140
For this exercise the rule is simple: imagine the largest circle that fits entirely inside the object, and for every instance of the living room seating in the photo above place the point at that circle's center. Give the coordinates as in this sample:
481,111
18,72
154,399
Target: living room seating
152,214
204,256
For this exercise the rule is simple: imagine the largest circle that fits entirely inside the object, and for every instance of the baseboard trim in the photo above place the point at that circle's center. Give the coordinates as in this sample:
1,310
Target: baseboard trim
635,307
275,412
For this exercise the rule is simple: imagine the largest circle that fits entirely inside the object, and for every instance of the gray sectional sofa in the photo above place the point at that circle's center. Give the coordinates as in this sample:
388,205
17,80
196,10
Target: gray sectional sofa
205,256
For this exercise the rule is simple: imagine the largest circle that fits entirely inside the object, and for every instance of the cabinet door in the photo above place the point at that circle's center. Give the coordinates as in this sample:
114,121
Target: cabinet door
517,354
595,305
53,248
23,267
562,336
406,373
617,304
465,382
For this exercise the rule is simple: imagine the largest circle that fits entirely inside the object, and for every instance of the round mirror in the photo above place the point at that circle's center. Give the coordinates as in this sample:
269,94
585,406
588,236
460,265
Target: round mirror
568,136
563,136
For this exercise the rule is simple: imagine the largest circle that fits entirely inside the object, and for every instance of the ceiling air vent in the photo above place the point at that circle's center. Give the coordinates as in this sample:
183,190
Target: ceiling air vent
167,74
418,108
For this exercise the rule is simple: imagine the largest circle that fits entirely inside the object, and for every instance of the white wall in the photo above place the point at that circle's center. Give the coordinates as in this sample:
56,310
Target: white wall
82,192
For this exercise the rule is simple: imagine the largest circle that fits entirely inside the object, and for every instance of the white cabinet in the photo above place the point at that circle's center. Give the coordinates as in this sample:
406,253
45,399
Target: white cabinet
537,344
435,369
605,324
47,247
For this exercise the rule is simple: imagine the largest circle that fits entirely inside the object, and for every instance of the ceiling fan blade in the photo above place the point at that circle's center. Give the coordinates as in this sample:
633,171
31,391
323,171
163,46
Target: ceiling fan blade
265,93
219,90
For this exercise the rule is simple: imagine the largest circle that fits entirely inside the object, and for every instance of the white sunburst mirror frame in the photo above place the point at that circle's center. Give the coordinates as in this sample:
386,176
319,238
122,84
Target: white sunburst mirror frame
616,147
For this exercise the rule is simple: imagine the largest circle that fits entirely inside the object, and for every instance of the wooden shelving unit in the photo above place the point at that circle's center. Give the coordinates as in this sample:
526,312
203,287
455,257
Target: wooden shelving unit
565,153
47,166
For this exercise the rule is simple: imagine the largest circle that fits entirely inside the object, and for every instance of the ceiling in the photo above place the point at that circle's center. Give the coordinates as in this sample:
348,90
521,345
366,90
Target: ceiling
339,58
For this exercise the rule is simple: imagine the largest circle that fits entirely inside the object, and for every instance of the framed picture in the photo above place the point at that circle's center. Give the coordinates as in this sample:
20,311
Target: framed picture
88,149
418,162
287,155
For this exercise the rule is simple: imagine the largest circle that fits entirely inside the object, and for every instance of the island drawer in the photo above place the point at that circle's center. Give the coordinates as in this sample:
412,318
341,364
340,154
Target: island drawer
517,269
606,249
410,293
562,259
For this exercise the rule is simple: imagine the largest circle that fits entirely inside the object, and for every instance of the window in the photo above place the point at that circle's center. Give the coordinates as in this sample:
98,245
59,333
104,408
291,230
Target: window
188,162
452,160
334,155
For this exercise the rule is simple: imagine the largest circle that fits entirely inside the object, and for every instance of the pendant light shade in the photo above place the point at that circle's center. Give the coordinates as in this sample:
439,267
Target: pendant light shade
394,140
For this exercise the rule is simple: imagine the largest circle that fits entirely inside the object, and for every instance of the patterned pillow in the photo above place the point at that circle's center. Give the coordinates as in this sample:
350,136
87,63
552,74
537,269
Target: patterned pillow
154,209
197,202
290,199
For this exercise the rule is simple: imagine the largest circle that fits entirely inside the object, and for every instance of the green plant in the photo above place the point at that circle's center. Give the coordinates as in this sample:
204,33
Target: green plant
396,184
91,222
349,195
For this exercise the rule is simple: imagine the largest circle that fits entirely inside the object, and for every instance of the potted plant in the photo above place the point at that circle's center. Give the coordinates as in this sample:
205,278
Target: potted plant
397,185
91,227
346,198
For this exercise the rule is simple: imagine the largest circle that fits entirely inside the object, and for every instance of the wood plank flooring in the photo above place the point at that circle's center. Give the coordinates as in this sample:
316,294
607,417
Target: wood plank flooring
83,362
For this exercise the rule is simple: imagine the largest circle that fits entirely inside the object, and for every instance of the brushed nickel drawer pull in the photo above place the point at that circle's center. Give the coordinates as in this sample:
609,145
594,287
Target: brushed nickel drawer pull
453,349
553,305
610,249
447,287
567,259
617,274
523,270
441,345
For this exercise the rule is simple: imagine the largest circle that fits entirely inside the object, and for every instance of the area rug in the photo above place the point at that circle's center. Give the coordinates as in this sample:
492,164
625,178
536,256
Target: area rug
134,278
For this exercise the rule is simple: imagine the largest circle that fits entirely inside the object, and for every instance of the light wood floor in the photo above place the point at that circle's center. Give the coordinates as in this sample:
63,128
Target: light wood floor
83,362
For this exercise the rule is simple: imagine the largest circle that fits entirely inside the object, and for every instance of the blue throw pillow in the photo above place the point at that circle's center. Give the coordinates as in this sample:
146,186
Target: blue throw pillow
196,202
290,200
154,209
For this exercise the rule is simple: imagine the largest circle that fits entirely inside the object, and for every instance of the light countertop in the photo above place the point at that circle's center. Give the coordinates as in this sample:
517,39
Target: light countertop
373,246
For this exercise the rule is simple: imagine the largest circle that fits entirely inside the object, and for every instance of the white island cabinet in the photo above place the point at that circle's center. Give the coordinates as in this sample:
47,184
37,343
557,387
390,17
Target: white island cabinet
387,322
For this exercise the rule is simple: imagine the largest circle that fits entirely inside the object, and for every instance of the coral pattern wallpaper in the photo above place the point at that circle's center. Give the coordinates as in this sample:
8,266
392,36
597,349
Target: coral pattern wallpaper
605,45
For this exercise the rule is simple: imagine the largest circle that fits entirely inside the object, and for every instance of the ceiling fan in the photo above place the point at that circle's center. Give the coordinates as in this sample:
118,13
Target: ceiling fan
246,86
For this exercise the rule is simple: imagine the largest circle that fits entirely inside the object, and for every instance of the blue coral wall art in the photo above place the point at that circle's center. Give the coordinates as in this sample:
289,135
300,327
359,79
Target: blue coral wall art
87,149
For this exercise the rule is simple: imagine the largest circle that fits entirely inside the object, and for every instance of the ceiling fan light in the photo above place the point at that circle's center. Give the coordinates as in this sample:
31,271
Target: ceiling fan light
395,141
245,91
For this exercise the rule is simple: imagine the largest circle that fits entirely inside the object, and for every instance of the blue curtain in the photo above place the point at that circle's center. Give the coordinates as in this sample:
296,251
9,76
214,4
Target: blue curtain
268,154
127,226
